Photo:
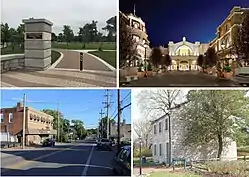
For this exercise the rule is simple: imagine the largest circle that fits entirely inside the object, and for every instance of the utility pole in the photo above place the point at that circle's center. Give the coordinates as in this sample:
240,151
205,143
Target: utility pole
107,103
101,122
58,127
24,121
119,117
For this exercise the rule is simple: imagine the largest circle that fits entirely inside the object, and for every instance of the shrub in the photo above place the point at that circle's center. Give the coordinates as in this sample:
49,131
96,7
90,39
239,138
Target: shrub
227,69
149,67
233,167
144,152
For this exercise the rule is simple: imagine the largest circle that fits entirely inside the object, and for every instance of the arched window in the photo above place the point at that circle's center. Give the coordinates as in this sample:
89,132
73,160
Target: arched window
184,50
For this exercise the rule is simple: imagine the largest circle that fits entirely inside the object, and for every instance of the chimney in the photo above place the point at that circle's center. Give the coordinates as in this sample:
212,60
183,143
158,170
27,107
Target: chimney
19,105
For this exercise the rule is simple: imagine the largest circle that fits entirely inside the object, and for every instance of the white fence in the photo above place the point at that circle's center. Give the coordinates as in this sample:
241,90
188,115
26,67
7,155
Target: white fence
6,137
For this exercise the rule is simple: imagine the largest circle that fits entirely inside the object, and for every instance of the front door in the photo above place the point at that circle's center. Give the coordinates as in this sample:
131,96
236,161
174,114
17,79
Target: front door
184,66
167,153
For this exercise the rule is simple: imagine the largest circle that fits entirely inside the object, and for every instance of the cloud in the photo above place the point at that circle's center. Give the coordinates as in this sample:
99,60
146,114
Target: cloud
74,13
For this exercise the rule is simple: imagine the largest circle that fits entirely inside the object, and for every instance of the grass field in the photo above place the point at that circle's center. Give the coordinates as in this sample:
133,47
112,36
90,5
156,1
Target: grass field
108,56
54,56
9,50
170,174
92,45
243,151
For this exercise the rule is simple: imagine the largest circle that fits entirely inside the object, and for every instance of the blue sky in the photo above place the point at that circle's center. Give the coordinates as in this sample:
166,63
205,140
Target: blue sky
84,104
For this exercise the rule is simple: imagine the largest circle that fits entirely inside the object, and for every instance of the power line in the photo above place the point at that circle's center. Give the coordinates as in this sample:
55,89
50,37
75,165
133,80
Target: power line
125,97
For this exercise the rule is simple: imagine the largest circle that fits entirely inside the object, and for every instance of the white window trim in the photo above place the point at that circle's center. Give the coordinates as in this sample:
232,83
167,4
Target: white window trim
12,117
2,118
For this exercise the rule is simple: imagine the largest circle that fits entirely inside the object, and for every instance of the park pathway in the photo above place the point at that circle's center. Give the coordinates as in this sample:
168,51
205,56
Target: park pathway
58,78
71,60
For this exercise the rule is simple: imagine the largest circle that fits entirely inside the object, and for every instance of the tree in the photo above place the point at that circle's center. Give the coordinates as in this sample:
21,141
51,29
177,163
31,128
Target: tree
78,128
54,37
103,125
5,33
200,60
167,60
111,29
156,56
214,115
13,37
241,41
211,57
20,35
68,34
127,45
60,37
143,129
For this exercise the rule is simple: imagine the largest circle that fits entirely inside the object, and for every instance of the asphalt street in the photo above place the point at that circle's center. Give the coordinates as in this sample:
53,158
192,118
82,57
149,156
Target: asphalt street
79,159
182,79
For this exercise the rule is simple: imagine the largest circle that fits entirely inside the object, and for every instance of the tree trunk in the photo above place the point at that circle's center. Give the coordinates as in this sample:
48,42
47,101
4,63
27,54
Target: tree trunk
220,144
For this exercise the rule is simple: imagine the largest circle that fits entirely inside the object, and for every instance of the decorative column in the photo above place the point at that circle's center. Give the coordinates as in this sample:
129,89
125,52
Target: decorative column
37,43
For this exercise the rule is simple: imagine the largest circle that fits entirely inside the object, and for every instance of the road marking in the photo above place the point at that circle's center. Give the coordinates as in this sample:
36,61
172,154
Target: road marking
88,162
25,162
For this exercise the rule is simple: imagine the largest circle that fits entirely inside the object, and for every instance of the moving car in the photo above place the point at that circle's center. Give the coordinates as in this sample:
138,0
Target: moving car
122,162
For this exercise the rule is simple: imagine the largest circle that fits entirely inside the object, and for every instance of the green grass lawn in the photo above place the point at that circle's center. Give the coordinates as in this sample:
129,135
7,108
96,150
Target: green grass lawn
243,151
80,46
170,174
108,56
9,50
54,56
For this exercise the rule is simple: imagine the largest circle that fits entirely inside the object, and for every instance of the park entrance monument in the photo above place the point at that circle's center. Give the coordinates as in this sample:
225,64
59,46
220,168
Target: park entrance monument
37,43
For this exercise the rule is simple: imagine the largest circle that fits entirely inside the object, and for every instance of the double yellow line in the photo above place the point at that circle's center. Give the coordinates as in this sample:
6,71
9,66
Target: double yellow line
24,162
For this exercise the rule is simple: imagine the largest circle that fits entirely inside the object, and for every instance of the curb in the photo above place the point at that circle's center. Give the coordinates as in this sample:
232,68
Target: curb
57,61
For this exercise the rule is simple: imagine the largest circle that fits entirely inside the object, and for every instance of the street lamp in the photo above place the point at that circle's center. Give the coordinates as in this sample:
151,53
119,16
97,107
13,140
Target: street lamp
145,59
140,155
223,47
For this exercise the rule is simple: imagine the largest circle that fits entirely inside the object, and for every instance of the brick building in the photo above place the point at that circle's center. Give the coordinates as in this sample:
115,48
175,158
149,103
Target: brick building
38,125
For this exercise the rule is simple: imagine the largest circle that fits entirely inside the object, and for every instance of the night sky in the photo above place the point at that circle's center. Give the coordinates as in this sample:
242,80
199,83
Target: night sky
171,20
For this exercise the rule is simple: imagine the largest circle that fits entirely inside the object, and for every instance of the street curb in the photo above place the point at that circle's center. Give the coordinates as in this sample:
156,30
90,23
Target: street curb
57,61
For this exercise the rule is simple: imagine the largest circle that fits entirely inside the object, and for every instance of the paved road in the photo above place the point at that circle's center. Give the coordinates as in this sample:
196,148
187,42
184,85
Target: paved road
182,79
58,78
71,60
80,159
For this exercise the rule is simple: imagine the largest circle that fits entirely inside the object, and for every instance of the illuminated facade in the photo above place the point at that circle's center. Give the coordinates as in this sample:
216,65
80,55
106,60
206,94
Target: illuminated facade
184,54
223,42
138,30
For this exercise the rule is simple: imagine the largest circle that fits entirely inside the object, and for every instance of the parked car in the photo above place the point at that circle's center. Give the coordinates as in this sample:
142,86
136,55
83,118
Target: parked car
104,143
48,142
122,162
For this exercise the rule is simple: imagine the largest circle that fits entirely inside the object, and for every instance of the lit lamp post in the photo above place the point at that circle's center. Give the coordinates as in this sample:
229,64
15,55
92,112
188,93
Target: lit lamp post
223,47
145,60
140,155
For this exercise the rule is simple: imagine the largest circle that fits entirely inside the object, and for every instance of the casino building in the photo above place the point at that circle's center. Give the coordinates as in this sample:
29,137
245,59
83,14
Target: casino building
184,54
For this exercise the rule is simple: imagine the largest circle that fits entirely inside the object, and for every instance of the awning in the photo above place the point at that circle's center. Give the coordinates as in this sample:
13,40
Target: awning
38,132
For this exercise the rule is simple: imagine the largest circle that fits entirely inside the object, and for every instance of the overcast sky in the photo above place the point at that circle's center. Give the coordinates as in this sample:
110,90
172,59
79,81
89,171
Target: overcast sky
60,12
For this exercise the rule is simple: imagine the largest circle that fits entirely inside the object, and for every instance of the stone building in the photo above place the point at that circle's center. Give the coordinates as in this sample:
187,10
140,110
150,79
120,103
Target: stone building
223,41
160,143
184,54
38,124
138,30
